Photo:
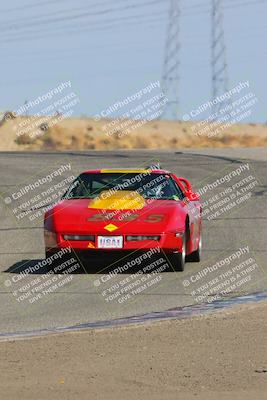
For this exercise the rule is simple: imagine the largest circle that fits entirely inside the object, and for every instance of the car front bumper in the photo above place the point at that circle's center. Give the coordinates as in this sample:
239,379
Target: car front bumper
168,242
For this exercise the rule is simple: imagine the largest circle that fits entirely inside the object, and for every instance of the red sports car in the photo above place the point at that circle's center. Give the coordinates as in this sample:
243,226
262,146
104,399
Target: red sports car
113,210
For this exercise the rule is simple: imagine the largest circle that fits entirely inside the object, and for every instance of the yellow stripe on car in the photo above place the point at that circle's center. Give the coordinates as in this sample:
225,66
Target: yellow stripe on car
118,200
125,171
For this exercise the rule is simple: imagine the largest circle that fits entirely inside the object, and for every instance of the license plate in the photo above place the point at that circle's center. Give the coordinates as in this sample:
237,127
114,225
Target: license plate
110,242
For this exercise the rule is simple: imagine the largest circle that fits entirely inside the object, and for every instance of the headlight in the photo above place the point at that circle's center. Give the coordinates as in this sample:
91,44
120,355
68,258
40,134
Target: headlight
139,237
79,237
179,234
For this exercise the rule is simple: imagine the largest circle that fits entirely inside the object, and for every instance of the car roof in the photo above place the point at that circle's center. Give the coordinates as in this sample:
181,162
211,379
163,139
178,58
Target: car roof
126,171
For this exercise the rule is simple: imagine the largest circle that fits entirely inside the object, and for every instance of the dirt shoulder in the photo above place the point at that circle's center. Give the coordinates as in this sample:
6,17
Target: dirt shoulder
219,356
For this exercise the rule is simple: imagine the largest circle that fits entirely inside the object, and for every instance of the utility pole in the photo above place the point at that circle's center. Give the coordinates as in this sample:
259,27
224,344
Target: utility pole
218,59
171,77
26,103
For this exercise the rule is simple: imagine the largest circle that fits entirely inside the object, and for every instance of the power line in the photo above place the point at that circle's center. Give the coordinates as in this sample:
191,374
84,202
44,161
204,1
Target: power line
31,5
11,36
107,28
79,16
59,12
225,7
99,13
107,24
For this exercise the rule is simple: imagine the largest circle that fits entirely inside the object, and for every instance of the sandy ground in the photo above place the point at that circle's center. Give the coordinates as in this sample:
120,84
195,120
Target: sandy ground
25,133
219,356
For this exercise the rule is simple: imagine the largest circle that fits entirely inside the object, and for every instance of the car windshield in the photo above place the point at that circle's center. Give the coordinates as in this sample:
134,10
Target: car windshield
149,185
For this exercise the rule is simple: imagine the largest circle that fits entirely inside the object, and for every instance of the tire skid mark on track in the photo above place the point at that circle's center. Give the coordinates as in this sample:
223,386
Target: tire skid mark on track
174,313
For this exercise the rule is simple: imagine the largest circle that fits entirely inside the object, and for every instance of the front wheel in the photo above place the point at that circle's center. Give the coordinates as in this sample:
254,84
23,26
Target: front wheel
196,255
178,259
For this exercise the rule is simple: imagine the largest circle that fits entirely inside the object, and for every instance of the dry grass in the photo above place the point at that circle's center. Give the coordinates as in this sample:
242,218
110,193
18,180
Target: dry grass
86,134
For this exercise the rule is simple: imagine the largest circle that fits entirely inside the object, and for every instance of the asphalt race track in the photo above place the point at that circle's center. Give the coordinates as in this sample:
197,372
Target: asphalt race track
81,299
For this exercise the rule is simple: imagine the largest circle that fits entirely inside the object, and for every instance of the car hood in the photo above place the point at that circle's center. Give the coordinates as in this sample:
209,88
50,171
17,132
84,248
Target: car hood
152,216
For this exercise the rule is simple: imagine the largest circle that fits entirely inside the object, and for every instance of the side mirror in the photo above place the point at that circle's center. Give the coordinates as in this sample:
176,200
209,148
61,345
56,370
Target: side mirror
192,196
186,184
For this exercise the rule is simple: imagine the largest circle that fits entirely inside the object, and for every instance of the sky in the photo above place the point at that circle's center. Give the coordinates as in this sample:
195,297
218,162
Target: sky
111,49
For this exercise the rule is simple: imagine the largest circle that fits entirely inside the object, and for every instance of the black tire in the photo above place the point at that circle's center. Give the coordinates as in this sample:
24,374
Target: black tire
196,255
178,259
48,253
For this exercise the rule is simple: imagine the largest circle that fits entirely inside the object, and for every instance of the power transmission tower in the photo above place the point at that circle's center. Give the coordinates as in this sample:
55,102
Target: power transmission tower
218,62
170,78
